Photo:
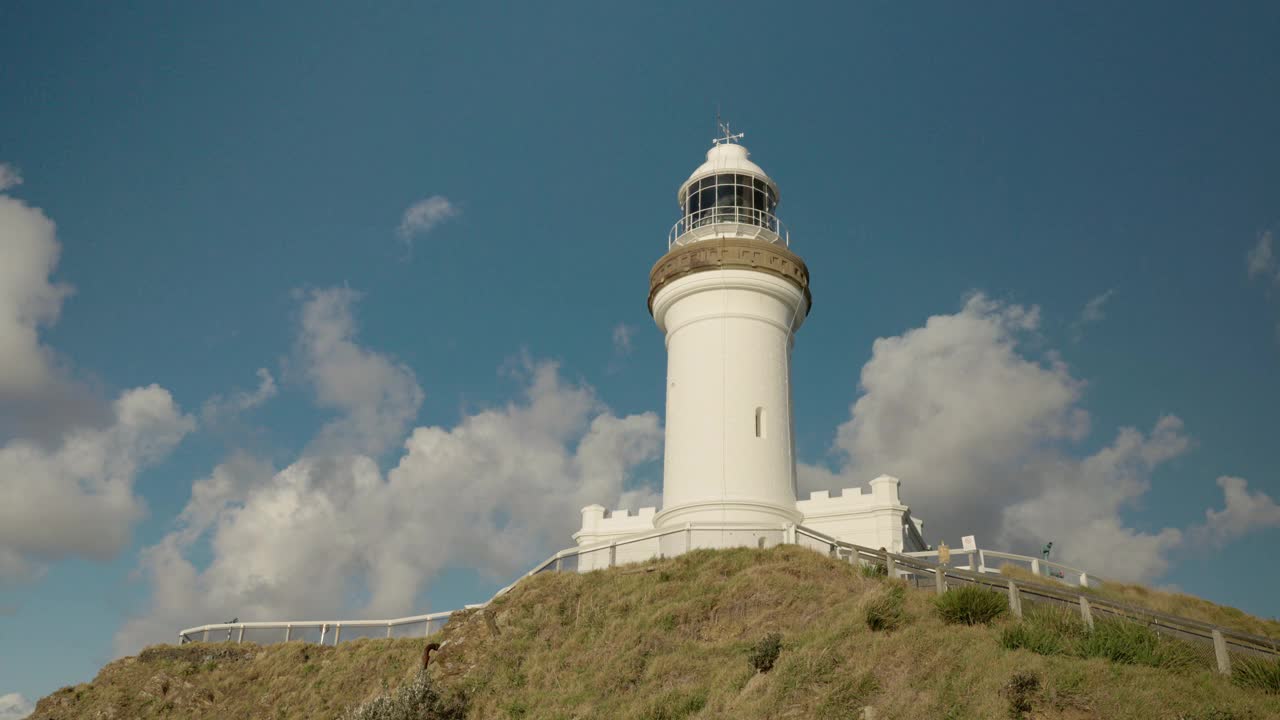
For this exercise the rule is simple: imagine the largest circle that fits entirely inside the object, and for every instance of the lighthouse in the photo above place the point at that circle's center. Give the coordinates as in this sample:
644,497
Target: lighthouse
729,296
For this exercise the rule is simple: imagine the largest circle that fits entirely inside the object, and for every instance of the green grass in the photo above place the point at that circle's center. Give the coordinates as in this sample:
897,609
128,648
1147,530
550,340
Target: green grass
971,605
1256,673
1057,631
1169,603
883,609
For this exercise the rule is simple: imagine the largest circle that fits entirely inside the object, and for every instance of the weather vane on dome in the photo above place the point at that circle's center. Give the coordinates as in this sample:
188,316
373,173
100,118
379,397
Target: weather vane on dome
728,136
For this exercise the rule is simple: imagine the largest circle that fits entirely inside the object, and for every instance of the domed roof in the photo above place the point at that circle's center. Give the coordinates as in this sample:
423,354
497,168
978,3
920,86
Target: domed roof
727,157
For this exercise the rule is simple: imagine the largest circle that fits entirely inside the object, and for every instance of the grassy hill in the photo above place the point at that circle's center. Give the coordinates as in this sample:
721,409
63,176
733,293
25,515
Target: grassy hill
741,634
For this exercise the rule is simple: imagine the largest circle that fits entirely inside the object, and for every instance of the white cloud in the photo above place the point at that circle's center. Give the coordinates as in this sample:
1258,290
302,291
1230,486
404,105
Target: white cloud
980,435
77,499
67,462
1093,311
28,299
220,410
376,397
423,216
330,534
1243,512
10,176
1261,259
13,706
622,334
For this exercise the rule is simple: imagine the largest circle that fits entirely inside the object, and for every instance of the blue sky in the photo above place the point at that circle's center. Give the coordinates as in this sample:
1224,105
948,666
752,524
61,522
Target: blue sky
229,186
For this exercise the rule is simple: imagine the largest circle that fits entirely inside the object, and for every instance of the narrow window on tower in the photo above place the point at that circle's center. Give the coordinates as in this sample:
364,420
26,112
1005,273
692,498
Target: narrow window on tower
760,429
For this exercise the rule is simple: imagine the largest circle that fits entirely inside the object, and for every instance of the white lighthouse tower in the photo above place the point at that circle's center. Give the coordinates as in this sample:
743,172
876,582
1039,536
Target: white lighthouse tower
729,296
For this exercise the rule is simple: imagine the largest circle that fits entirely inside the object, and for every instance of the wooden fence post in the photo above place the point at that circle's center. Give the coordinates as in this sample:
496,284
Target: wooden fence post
1015,600
1086,613
1220,650
940,578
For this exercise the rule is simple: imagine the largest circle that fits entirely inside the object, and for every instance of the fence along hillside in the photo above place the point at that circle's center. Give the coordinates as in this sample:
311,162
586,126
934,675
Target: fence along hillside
1216,643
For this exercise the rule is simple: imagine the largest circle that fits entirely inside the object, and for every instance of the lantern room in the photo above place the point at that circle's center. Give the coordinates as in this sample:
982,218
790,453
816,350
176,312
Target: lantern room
728,196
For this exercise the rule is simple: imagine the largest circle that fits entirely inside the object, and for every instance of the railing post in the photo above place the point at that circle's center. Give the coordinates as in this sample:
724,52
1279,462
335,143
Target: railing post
890,566
613,554
388,631
1035,566
1015,600
1084,579
1220,651
206,634
240,637
940,578
558,559
982,562
1086,613
288,632
337,633
324,630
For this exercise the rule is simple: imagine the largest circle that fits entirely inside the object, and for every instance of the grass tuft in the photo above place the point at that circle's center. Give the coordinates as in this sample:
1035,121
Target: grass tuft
1130,643
884,607
970,605
1256,673
873,570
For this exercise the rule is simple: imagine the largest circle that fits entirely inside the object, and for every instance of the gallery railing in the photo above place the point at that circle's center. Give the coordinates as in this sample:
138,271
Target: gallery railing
734,221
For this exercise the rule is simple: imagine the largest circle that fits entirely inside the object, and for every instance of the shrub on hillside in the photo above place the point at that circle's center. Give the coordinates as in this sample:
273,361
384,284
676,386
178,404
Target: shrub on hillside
1257,673
765,652
415,700
970,605
883,609
1019,692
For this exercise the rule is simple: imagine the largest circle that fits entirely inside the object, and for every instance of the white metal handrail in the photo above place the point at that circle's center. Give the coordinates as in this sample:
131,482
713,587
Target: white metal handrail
324,626
1038,566
728,221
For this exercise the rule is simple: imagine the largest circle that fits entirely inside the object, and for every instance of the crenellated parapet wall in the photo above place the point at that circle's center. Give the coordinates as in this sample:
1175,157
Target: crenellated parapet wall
873,519
600,525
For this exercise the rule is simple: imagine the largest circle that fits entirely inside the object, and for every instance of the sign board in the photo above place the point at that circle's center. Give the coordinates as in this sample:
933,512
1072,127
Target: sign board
969,543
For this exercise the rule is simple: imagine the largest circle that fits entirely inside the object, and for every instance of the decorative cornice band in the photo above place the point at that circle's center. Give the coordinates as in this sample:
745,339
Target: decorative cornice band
724,253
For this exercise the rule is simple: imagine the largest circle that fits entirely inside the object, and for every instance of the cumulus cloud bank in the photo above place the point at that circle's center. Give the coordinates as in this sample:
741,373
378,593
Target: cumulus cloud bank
331,534
67,468
981,434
